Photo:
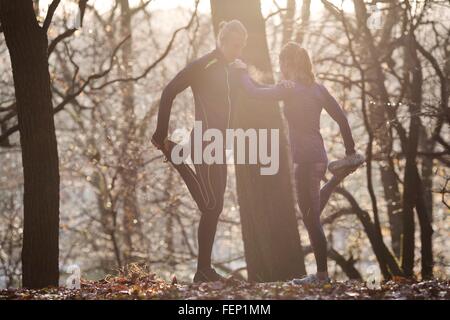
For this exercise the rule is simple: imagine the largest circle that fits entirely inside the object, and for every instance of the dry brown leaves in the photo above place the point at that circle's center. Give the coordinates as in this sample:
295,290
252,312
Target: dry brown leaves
148,286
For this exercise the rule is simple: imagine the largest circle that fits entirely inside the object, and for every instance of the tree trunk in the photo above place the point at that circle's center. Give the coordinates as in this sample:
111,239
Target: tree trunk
27,44
410,189
413,195
426,234
305,16
348,266
130,149
269,227
288,21
379,119
386,260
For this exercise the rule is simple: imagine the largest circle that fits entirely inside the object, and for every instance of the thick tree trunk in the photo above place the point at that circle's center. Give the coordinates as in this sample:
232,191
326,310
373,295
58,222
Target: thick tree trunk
27,44
269,226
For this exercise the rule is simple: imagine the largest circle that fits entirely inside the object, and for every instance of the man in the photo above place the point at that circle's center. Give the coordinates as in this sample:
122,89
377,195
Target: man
210,78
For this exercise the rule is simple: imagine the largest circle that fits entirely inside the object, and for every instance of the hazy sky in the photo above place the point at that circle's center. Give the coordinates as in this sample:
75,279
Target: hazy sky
267,5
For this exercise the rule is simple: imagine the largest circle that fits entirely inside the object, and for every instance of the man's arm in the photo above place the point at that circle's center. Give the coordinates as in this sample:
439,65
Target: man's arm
179,83
335,111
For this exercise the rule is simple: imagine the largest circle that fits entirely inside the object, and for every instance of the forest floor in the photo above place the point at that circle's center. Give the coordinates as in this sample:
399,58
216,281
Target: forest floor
148,286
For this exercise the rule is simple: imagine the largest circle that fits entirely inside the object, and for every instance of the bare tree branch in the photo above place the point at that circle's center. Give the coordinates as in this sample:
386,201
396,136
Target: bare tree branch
73,95
51,11
157,61
82,5
59,38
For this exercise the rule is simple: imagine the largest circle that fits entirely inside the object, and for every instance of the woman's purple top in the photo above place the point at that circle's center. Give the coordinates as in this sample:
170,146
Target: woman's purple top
303,105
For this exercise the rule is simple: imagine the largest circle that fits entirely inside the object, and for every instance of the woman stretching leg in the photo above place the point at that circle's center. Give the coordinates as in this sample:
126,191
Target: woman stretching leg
304,102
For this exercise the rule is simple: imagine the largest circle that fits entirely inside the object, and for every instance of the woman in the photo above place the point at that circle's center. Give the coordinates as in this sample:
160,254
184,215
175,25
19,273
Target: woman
304,102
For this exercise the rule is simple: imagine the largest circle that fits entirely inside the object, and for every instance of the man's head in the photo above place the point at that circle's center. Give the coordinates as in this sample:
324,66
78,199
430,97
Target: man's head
232,38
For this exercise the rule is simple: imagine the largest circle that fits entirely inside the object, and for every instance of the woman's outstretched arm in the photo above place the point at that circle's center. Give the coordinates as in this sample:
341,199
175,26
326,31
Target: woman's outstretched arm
254,90
335,111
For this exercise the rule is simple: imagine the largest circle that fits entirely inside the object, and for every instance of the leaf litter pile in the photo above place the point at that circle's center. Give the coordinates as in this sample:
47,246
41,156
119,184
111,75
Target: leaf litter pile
136,283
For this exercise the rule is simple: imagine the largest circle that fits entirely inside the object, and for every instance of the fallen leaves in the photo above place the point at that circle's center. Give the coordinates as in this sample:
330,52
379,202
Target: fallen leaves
144,285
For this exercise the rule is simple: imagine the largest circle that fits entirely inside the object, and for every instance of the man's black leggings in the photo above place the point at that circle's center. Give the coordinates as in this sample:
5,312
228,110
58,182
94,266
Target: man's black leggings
207,186
311,200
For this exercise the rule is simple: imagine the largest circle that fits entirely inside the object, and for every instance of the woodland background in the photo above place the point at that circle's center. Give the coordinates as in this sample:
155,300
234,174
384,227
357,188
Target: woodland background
85,98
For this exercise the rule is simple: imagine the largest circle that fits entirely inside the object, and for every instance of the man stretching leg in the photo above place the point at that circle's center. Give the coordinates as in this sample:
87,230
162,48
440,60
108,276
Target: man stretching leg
210,79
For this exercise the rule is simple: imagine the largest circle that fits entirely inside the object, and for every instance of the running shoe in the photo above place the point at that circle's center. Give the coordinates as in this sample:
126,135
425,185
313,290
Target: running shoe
349,163
207,275
310,280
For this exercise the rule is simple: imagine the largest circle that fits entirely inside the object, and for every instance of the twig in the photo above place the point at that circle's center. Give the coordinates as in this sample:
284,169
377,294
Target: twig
51,11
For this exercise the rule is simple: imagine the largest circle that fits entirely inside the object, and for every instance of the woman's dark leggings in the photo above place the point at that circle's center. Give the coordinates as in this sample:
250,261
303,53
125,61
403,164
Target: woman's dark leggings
311,200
